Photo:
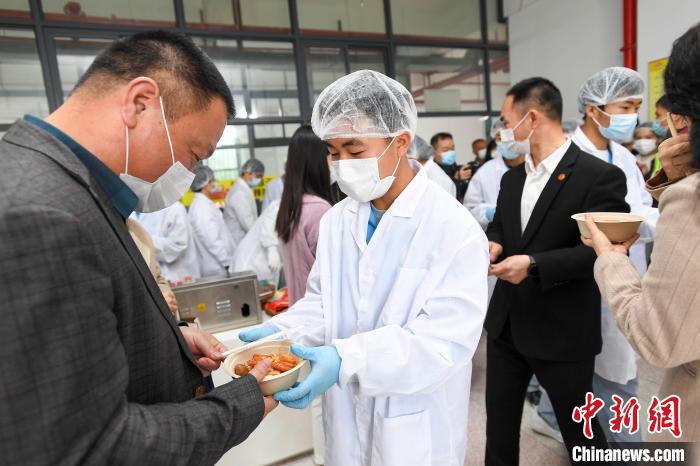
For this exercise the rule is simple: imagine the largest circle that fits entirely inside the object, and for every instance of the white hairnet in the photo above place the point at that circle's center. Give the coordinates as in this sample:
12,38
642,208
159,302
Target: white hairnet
365,104
614,84
420,149
202,176
252,166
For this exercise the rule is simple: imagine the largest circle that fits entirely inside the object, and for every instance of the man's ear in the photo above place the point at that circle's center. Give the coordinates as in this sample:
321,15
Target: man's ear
140,94
403,143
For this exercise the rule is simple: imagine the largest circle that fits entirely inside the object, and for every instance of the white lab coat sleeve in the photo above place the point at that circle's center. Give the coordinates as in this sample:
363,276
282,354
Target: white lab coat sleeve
268,234
307,312
215,237
474,200
173,242
425,353
244,210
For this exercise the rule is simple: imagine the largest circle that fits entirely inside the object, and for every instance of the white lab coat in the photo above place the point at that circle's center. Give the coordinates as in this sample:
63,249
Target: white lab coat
212,238
618,361
251,253
240,211
173,241
439,176
483,189
482,193
405,313
273,192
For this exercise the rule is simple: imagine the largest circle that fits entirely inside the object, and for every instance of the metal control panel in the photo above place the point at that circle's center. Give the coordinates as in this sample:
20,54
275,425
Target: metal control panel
221,304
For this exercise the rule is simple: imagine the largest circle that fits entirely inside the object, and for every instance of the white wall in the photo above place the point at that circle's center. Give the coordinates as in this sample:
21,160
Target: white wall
463,129
658,25
565,41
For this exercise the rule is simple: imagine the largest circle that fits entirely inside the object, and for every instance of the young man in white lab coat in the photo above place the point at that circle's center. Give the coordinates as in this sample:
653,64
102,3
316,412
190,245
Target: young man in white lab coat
212,238
396,300
240,209
173,241
610,101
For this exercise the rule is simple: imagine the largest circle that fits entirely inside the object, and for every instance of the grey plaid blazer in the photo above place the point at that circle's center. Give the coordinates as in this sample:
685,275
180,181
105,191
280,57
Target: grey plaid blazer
93,369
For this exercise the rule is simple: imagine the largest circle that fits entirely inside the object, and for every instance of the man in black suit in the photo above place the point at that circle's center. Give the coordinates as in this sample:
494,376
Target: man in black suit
544,316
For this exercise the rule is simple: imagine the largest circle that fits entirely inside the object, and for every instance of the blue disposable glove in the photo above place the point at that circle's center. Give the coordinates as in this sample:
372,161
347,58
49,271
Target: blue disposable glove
490,211
325,371
257,333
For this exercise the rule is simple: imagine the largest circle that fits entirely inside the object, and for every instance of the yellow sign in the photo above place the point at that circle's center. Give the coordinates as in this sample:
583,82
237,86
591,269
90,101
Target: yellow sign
656,84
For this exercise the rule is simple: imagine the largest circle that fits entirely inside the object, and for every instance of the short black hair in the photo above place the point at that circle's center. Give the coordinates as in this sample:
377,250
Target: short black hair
439,137
682,84
663,102
539,92
187,77
477,140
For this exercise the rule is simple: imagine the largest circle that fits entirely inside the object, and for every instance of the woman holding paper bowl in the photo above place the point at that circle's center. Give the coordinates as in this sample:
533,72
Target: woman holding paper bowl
660,313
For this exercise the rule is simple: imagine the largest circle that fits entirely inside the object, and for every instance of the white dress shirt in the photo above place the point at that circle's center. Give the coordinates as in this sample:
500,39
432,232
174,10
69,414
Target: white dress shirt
536,180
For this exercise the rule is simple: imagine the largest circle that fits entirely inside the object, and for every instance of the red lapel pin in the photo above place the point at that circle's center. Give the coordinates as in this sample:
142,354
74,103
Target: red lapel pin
561,177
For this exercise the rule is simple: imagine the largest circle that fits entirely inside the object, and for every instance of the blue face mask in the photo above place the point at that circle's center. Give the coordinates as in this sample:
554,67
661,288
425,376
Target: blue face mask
449,157
621,127
505,152
255,182
659,130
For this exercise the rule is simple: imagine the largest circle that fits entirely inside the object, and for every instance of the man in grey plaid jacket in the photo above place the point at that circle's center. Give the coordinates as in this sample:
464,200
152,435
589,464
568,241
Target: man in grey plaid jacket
93,368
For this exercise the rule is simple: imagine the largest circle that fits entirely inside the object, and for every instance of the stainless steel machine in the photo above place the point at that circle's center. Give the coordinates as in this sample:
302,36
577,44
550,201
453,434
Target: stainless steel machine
221,304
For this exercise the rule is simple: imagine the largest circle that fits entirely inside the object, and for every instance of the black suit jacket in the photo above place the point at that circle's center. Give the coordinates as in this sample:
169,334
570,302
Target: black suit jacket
555,316
94,368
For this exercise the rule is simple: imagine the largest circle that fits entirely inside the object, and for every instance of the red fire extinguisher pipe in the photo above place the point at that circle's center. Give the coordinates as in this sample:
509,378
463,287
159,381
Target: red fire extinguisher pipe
629,38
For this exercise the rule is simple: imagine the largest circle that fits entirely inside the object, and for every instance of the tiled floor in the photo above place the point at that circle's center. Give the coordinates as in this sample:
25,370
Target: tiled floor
534,449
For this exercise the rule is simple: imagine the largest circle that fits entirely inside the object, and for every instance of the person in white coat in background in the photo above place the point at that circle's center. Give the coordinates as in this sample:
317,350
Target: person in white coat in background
259,250
610,101
240,209
212,238
273,192
173,241
423,152
485,185
396,299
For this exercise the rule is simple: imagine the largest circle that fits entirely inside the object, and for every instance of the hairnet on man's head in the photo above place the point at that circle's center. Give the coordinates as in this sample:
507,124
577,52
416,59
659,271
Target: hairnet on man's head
420,149
364,104
253,166
203,175
614,84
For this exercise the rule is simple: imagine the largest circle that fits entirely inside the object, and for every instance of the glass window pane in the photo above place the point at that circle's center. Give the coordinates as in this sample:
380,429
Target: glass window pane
363,18
74,57
21,82
324,65
458,19
262,75
231,151
498,31
366,59
249,15
499,69
15,9
273,158
442,79
152,13
268,131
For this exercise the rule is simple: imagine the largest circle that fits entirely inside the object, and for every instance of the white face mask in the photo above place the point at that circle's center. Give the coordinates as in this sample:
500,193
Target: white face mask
481,153
167,189
508,139
334,175
645,146
359,178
